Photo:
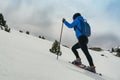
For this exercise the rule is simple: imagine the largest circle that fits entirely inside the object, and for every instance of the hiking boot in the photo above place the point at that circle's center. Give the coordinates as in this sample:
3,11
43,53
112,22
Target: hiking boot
91,69
77,62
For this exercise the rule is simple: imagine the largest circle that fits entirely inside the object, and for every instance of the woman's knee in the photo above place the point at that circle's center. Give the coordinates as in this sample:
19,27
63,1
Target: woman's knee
72,49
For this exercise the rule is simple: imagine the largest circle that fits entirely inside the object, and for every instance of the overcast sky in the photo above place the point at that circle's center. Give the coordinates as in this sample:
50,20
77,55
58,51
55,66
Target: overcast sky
43,17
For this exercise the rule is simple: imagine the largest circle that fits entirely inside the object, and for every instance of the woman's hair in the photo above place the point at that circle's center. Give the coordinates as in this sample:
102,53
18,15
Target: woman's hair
76,15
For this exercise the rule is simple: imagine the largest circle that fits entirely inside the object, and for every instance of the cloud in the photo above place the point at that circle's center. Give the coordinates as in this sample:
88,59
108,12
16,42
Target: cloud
44,17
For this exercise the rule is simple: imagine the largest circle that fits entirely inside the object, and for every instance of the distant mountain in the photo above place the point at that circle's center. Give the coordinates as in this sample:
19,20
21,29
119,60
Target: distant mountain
106,41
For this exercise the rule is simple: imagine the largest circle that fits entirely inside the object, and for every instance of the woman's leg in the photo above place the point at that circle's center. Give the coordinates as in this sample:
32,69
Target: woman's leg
83,43
74,50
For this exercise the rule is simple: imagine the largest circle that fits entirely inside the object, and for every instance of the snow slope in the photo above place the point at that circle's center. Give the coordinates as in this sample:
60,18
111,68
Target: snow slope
24,57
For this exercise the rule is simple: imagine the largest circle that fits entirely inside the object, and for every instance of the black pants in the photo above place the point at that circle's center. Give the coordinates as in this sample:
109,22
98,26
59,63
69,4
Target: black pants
82,43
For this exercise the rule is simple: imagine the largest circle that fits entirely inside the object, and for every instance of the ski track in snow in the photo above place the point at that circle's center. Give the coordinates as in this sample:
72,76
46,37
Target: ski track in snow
82,71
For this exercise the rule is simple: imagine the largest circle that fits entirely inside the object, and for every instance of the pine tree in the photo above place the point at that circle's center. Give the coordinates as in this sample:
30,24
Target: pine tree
56,48
118,52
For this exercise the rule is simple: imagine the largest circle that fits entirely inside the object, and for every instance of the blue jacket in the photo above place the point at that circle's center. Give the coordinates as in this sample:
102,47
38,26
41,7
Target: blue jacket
76,25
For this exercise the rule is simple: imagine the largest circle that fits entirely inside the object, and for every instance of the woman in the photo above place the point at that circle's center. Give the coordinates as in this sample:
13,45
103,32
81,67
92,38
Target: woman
82,41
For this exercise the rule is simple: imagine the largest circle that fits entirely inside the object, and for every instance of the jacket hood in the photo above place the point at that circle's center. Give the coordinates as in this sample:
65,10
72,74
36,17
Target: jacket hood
80,18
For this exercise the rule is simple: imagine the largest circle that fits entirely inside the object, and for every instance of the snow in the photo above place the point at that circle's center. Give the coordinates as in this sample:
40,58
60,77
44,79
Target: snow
25,57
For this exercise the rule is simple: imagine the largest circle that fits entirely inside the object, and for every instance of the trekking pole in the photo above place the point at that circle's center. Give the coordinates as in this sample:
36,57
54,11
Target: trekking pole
60,38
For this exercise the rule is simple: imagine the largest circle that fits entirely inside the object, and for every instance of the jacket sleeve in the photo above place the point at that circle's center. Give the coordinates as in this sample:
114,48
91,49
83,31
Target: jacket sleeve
71,25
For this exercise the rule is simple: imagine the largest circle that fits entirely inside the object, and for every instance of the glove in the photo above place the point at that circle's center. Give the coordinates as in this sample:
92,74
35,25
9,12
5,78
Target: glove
63,20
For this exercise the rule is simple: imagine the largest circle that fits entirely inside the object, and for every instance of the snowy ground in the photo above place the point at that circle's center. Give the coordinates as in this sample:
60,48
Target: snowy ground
24,57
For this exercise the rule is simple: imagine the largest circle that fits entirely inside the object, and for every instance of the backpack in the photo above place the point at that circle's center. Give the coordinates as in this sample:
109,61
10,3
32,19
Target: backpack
86,30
